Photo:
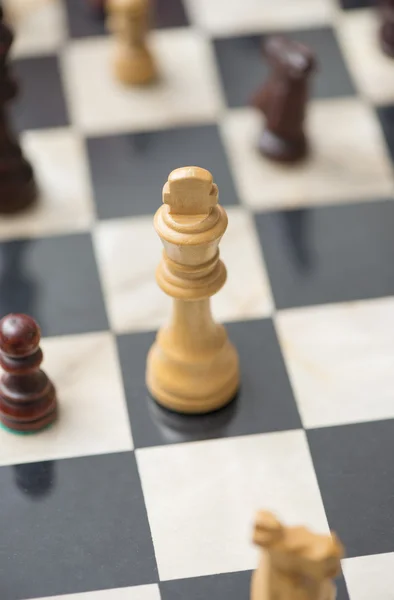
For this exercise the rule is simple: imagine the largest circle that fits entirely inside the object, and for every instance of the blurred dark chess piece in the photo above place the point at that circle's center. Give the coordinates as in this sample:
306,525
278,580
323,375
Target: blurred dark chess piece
27,397
387,26
17,186
35,479
283,100
98,8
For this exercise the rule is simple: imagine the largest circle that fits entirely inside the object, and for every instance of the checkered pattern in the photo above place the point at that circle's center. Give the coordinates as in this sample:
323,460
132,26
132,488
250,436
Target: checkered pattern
122,499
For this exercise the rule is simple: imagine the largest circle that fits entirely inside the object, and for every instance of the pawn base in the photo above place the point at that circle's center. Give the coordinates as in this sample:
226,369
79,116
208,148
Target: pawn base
27,415
15,198
26,427
192,387
281,150
135,68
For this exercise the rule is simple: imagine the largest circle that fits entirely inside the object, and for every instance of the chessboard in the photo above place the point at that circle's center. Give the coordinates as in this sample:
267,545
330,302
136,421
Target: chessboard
124,500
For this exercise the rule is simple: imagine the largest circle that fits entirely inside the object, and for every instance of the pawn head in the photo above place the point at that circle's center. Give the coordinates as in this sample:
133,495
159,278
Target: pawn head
19,335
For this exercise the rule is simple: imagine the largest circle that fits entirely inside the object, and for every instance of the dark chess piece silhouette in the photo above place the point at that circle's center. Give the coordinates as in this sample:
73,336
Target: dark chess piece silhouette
17,186
27,396
387,26
283,100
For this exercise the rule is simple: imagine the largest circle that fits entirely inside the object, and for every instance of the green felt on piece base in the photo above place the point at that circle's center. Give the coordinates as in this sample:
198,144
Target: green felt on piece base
2,426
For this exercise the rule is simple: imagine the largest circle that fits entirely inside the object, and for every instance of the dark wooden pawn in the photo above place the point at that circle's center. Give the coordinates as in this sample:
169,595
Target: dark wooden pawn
17,186
27,396
283,100
387,26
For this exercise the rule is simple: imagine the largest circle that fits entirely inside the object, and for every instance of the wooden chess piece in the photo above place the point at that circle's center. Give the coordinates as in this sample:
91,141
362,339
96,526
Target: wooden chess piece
295,563
387,26
27,396
98,7
130,22
283,100
192,367
17,186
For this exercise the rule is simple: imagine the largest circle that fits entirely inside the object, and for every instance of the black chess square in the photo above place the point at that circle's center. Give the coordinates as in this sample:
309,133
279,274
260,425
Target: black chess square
169,13
386,117
227,586
265,401
355,472
41,102
329,254
342,592
356,4
55,280
243,68
72,526
131,182
83,21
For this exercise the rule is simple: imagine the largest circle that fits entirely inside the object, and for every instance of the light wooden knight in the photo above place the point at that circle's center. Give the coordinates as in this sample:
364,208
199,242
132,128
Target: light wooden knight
192,367
129,20
295,564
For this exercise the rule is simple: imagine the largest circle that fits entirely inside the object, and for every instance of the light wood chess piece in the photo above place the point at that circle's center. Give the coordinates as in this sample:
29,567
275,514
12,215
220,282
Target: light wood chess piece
192,367
295,564
130,22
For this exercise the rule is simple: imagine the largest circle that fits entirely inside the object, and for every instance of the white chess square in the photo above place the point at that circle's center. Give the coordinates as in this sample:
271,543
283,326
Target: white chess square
40,26
206,526
187,91
372,70
143,592
370,577
93,415
348,159
129,251
339,358
247,292
232,17
65,197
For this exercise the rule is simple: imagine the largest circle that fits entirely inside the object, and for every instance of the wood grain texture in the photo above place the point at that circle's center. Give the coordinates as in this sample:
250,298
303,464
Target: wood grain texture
192,367
129,20
295,563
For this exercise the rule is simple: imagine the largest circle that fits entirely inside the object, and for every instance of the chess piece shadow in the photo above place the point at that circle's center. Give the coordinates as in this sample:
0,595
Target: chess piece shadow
140,143
296,226
175,427
18,289
36,480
